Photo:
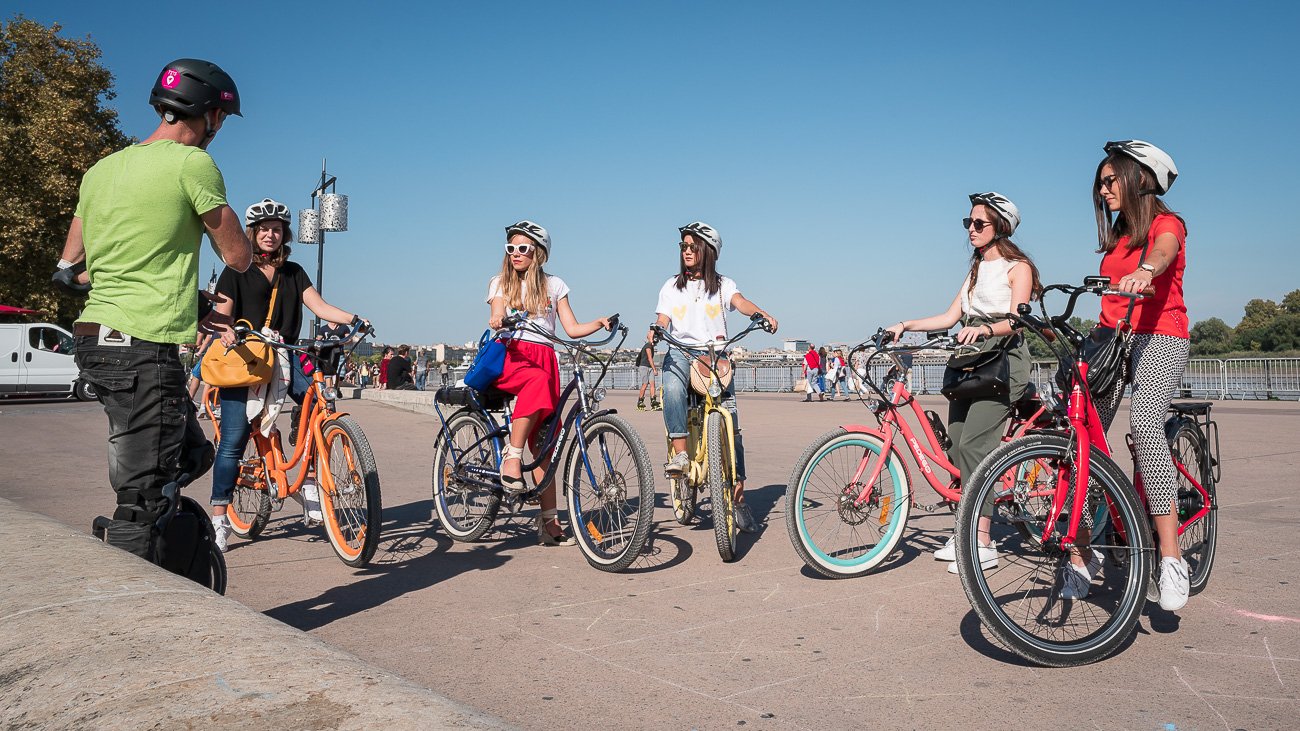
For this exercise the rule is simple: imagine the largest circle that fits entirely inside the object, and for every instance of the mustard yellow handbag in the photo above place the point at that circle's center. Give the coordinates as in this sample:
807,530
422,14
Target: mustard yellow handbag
250,363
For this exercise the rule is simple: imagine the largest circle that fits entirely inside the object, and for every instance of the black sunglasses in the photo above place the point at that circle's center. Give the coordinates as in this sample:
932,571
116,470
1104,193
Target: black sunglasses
977,223
687,246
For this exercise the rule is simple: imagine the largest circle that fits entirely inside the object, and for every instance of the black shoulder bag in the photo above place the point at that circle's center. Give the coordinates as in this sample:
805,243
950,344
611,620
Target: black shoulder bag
982,375
1104,349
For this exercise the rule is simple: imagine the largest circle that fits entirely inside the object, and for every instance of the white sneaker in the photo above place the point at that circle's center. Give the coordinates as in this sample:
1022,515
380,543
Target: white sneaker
221,526
948,552
988,559
1174,584
1077,580
678,465
311,502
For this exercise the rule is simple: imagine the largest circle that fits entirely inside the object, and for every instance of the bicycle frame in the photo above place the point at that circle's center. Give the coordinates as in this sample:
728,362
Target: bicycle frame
316,413
893,425
1086,430
556,438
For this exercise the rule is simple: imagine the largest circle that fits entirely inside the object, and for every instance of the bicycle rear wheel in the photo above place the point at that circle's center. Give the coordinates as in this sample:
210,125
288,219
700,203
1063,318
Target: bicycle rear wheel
611,493
250,502
349,491
720,484
1197,538
1019,600
465,510
831,533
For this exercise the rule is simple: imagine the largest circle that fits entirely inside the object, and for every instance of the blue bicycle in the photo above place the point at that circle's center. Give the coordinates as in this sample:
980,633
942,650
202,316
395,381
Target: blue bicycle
607,479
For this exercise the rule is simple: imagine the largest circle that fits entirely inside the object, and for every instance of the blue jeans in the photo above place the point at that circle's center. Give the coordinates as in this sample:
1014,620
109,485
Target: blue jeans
676,382
235,431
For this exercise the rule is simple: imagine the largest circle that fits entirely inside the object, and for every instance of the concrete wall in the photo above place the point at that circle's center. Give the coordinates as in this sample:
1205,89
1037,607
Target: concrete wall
92,637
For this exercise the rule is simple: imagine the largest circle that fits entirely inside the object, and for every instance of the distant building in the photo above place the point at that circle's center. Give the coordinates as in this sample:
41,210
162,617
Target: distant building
795,346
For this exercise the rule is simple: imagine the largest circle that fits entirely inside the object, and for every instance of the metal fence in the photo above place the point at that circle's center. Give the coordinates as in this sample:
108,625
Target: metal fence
1207,378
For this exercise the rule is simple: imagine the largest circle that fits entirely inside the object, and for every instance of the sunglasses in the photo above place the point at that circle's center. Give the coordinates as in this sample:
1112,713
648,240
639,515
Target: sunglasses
977,223
1108,182
687,246
521,249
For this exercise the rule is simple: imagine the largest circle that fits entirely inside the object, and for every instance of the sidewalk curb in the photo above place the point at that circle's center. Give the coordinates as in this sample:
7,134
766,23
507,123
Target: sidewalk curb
73,656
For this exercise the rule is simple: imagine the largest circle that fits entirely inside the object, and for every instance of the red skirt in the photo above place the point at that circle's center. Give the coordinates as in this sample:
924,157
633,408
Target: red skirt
532,375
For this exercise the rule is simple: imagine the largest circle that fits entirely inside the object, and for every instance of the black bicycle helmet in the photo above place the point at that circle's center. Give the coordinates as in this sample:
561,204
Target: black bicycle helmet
190,87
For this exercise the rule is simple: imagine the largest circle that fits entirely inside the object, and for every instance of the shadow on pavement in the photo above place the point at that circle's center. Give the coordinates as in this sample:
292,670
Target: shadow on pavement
973,634
411,556
657,556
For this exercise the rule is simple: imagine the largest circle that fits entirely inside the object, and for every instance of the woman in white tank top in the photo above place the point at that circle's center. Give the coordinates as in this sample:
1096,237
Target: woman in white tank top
1001,278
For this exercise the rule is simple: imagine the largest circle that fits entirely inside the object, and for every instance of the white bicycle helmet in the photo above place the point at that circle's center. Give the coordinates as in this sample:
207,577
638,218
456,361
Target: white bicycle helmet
532,231
1150,157
267,210
1001,204
707,233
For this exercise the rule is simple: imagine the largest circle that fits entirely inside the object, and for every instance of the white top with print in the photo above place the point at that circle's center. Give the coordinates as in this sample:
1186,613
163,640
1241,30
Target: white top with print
695,317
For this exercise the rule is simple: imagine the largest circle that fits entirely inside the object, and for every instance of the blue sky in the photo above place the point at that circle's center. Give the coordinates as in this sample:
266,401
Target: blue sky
832,144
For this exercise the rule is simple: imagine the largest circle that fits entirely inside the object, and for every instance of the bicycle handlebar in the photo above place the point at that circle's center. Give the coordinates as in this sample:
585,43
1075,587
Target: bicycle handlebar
242,334
756,322
513,323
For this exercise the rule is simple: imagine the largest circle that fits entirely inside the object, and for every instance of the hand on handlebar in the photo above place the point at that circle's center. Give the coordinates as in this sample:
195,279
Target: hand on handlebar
768,323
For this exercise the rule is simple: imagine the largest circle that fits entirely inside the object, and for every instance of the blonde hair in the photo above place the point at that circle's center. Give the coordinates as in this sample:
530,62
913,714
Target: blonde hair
526,291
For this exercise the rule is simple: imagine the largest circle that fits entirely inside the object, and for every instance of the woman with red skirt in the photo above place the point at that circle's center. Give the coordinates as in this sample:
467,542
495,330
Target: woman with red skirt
531,372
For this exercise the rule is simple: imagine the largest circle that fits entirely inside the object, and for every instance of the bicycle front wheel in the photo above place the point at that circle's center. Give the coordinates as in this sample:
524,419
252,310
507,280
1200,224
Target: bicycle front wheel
250,502
1020,598
832,532
611,493
1196,538
349,491
465,510
720,479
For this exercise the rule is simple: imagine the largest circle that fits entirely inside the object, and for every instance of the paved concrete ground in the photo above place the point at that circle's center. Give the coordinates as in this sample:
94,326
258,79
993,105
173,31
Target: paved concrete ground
537,638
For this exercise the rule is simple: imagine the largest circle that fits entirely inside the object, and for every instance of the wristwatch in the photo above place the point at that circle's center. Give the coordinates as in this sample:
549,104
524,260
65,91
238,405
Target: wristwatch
1147,267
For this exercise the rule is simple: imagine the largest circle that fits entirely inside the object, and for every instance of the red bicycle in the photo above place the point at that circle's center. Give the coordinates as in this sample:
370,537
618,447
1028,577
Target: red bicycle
1090,507
850,494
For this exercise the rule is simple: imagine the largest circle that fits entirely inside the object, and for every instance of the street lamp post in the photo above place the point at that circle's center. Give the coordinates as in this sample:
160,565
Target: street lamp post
328,212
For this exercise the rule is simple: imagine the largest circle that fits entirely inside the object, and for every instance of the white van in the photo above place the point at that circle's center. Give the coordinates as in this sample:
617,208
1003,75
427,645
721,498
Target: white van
36,358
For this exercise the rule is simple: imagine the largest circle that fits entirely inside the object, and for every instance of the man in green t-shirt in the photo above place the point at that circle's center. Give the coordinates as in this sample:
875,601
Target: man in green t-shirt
138,225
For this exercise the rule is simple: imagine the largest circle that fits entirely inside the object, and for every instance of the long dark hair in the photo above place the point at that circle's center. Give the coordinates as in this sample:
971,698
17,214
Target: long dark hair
1007,248
1138,203
708,269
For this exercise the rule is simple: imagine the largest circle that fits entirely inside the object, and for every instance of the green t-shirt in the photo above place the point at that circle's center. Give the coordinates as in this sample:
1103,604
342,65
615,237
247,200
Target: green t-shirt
139,211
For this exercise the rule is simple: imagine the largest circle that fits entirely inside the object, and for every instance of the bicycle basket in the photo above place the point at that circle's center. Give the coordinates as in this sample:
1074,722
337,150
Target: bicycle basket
701,374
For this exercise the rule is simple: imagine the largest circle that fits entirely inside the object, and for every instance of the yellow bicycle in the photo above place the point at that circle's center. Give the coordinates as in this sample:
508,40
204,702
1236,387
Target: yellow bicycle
711,437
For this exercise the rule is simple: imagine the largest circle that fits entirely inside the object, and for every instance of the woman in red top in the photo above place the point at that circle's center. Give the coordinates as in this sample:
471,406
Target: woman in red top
1143,244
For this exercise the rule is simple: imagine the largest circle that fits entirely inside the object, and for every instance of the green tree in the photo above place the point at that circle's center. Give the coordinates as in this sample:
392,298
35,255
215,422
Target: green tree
1291,302
53,126
1210,337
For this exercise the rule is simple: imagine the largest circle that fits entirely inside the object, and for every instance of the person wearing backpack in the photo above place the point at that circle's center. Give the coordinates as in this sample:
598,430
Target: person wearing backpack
531,372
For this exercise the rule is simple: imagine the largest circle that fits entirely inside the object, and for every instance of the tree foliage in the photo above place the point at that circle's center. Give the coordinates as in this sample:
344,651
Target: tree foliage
1211,337
54,124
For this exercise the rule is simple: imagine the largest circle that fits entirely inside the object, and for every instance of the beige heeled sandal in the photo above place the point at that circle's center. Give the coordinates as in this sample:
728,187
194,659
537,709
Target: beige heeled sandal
544,537
513,485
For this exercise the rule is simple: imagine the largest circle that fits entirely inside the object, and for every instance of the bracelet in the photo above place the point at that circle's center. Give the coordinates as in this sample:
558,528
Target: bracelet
990,329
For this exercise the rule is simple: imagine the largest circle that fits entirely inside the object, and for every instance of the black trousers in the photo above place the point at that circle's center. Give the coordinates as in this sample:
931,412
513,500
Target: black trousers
153,432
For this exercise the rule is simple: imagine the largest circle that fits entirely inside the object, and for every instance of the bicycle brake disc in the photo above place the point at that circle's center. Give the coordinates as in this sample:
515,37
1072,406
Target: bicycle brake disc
850,512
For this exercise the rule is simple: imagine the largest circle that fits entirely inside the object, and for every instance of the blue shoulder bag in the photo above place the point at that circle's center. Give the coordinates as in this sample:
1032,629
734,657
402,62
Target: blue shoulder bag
488,364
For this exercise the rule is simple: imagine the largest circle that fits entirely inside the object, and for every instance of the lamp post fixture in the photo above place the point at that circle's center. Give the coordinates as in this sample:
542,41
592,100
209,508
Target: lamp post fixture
328,212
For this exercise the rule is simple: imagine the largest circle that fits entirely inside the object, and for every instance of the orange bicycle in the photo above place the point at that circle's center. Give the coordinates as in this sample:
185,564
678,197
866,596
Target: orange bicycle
330,445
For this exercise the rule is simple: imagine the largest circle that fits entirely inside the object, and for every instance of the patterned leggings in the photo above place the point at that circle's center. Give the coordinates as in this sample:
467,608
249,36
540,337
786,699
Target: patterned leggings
1155,368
